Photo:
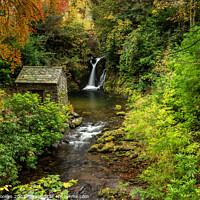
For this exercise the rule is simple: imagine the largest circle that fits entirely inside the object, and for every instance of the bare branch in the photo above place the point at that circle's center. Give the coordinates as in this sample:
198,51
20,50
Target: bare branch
185,47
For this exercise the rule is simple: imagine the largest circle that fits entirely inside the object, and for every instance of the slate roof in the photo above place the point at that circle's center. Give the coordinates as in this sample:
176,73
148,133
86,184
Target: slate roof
39,74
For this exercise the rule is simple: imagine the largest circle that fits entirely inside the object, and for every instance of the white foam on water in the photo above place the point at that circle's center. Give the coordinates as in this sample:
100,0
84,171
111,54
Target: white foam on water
89,87
84,133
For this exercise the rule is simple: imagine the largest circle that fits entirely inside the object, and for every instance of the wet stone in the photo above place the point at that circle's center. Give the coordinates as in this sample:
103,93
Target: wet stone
76,115
76,122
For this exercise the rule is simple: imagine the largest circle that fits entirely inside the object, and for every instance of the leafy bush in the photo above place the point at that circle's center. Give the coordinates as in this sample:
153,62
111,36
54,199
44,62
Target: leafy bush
50,187
27,128
184,187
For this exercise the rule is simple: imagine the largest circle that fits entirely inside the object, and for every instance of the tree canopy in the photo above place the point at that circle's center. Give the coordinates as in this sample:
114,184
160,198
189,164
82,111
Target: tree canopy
16,18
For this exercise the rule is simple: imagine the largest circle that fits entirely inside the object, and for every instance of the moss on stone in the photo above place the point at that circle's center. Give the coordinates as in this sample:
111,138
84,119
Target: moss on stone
118,148
122,113
100,140
105,157
115,159
108,147
118,107
95,148
77,123
109,138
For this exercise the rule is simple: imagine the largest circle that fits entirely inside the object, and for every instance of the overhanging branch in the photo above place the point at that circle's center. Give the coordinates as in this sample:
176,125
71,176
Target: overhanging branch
185,47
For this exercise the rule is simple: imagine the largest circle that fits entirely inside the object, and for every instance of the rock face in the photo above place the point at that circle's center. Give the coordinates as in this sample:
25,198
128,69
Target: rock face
44,81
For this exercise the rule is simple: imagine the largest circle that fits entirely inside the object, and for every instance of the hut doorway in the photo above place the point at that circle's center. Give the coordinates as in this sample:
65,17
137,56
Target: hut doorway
39,92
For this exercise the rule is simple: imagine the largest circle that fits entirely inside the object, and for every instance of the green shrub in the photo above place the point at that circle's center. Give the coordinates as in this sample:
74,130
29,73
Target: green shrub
50,187
27,128
184,185
167,125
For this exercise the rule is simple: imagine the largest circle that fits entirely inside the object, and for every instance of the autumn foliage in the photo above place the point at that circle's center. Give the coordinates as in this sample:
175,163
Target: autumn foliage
16,17
185,11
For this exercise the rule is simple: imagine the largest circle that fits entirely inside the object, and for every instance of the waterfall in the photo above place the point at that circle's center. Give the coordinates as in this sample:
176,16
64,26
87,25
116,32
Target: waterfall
91,82
102,79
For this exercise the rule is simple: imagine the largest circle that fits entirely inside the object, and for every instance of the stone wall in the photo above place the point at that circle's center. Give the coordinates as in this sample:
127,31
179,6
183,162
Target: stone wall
50,89
62,89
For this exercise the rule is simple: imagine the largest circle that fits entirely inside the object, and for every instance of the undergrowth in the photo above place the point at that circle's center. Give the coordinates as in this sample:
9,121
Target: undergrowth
27,128
167,122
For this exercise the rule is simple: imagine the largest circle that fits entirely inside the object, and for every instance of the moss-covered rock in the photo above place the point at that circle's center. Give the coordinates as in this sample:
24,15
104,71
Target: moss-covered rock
76,122
105,157
100,140
122,113
120,154
104,139
134,165
125,146
95,148
108,147
118,107
106,129
118,148
109,138
115,159
116,135
118,193
74,114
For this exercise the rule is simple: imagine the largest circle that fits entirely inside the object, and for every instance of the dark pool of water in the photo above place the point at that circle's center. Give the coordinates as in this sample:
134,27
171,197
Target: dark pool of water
95,105
72,161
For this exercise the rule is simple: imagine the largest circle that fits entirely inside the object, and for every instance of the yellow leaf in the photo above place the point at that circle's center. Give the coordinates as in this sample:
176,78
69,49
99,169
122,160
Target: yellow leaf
154,11
66,185
6,188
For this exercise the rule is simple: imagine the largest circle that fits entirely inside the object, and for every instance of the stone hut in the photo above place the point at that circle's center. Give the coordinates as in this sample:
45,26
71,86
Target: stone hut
44,81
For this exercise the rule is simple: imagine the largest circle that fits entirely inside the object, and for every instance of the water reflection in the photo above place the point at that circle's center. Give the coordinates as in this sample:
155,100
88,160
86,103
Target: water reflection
95,104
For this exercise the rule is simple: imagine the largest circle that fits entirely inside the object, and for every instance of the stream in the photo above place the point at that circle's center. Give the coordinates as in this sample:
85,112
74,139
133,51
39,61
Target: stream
72,160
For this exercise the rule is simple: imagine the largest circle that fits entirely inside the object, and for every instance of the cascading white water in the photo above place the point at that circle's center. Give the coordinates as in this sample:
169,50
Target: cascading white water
82,135
91,82
102,79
